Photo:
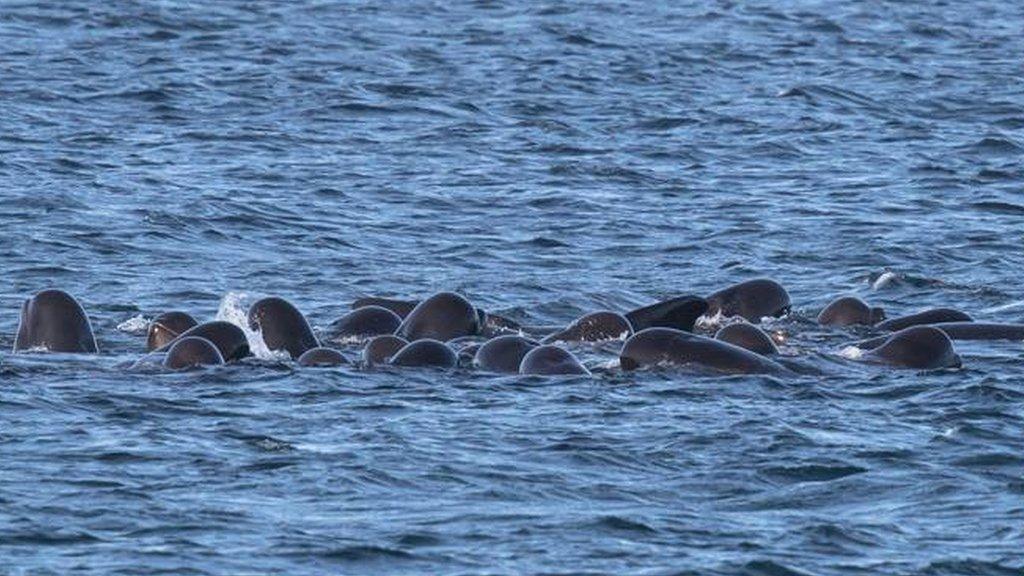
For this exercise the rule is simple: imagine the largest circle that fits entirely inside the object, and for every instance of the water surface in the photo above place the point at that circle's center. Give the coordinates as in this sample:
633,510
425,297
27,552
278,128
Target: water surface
545,159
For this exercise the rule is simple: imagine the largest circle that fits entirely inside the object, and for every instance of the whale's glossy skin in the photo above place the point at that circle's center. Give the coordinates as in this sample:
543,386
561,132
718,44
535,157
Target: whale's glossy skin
930,316
426,353
443,317
920,347
282,326
53,321
849,311
364,322
594,327
166,327
551,360
192,352
749,337
752,300
229,339
322,357
503,353
666,346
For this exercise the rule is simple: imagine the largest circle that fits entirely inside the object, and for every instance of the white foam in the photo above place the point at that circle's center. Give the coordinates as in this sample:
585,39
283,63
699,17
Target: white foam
136,325
851,352
884,280
234,308
705,321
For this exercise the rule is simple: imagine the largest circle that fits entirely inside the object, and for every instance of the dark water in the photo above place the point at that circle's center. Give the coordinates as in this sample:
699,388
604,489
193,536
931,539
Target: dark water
546,159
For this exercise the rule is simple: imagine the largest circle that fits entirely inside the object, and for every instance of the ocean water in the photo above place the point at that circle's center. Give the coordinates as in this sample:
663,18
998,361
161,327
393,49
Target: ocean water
545,159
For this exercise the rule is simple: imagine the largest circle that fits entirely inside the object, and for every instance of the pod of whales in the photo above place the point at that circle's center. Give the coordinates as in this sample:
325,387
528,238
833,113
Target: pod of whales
445,327
54,321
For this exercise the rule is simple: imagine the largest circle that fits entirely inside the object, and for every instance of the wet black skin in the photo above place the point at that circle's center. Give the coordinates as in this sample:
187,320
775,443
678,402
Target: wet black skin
53,320
166,327
282,326
192,352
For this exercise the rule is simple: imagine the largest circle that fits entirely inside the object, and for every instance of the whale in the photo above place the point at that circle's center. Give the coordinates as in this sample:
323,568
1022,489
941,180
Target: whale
364,322
380,349
849,311
425,353
166,327
749,337
680,313
489,322
963,331
52,320
400,308
920,347
444,316
667,346
282,326
751,300
594,327
503,353
930,316
322,357
549,360
192,352
229,339
981,330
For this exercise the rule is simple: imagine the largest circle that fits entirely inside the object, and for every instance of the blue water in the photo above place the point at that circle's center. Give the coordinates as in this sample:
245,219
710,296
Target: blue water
545,159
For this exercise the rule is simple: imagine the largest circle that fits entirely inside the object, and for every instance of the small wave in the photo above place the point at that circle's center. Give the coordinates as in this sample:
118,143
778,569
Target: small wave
999,207
994,145
618,523
366,554
813,472
769,568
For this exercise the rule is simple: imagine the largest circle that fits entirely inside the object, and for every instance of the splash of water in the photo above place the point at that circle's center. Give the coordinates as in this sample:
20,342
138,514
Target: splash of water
136,325
851,352
885,279
234,308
